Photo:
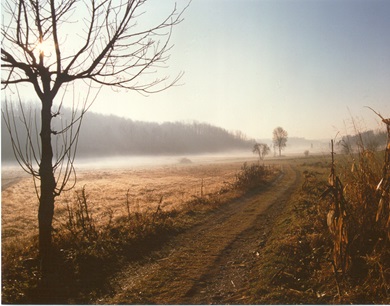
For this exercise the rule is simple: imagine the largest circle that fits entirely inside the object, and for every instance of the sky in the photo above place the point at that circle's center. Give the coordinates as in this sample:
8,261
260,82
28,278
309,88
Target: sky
252,65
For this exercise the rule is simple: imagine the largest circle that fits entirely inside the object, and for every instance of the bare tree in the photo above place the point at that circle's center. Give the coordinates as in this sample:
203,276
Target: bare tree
46,45
280,138
261,149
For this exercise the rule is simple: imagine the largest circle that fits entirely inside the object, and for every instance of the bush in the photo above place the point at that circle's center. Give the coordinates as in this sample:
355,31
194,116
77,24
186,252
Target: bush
251,177
185,160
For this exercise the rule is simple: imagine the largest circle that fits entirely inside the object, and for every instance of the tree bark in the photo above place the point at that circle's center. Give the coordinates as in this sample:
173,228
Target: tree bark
47,189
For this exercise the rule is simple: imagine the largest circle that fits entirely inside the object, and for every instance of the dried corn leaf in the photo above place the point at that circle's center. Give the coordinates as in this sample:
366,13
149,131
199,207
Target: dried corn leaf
331,180
379,185
388,227
380,208
330,221
345,188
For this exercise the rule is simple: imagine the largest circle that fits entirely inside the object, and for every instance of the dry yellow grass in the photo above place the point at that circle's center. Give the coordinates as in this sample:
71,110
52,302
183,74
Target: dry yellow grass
107,188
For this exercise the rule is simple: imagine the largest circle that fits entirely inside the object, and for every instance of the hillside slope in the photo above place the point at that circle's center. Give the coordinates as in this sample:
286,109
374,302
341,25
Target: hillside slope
102,135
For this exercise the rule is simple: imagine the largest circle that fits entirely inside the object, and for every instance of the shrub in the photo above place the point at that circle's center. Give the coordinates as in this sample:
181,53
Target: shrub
185,160
250,177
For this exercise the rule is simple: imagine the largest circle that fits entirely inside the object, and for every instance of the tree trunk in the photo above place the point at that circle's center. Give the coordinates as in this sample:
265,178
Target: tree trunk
48,184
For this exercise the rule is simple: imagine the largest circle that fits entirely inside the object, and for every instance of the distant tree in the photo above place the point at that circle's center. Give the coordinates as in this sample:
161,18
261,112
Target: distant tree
346,146
261,149
115,44
274,148
280,139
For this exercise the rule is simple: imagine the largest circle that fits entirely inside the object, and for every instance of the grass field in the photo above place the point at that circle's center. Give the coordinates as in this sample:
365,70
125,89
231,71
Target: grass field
138,208
108,189
113,194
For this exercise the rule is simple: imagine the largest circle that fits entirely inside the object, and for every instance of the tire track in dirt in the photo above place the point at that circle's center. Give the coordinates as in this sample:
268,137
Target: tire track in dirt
214,261
229,281
9,179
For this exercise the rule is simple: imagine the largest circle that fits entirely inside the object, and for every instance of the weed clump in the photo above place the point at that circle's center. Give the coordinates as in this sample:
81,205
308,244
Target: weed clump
86,251
251,177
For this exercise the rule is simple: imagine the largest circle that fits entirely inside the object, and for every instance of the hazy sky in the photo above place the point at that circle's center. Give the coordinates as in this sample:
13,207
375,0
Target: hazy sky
252,65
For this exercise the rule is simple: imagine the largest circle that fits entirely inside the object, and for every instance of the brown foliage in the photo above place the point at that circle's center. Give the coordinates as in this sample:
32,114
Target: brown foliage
358,219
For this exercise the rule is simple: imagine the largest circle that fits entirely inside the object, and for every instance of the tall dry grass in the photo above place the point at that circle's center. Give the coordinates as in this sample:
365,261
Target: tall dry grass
108,189
358,219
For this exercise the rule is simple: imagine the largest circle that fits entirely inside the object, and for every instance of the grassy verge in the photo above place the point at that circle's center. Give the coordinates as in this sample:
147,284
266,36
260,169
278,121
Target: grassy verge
88,251
298,264
296,248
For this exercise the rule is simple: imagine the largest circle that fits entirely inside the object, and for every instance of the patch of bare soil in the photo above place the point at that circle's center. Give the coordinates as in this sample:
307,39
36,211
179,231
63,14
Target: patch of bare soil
212,263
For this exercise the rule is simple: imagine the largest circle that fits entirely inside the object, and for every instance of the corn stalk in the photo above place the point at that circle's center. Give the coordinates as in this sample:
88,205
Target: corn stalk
337,220
383,212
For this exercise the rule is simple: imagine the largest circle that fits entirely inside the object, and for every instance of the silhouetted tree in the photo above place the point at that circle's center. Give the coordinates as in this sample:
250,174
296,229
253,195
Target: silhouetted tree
280,138
114,44
261,149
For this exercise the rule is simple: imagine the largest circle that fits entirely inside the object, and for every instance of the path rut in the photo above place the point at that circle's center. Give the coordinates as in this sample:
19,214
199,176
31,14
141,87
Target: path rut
213,262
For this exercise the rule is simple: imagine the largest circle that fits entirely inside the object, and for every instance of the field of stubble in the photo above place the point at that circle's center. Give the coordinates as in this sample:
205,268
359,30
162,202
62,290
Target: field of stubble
108,190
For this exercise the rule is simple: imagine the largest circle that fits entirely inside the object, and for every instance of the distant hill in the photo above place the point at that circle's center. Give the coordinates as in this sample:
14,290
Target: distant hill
103,135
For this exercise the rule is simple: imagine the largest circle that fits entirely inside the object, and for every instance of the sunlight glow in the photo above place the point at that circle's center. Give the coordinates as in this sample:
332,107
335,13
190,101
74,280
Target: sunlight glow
45,48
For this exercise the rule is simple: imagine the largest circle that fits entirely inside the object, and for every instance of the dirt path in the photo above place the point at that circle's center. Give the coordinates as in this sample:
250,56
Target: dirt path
11,177
214,262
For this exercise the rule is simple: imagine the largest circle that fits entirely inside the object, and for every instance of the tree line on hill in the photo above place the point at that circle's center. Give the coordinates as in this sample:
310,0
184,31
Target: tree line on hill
107,135
371,140
114,135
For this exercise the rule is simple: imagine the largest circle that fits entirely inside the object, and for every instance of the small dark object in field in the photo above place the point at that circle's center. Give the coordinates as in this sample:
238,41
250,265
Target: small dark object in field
185,160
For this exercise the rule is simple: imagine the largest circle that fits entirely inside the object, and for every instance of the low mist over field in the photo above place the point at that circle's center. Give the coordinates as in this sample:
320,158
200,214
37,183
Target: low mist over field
103,136
149,161
195,152
113,140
